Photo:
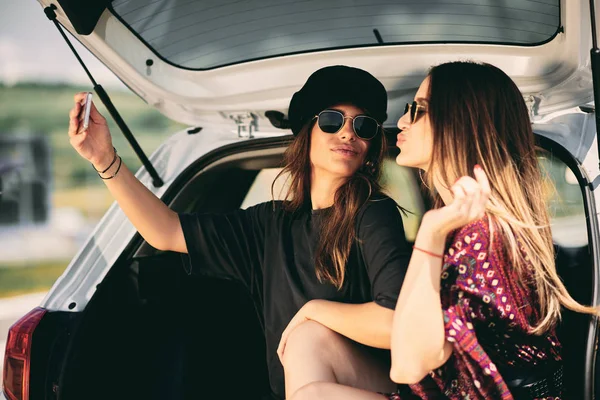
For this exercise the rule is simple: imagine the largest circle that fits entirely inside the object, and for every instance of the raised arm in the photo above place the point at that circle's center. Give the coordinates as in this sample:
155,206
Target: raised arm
157,224
418,338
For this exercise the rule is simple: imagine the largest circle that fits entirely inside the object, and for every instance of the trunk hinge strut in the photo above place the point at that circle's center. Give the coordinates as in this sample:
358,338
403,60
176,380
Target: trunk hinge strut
156,181
595,59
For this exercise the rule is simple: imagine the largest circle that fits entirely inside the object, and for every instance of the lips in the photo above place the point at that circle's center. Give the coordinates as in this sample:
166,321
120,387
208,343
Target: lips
345,150
401,139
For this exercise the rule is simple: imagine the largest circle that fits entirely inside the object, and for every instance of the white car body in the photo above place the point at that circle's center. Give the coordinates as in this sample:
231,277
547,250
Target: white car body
555,78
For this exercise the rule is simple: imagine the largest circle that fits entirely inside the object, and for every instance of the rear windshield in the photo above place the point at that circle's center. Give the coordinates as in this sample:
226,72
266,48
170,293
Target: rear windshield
202,34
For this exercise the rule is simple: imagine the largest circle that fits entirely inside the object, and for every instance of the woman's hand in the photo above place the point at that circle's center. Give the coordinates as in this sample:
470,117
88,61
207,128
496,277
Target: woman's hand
304,314
468,205
94,143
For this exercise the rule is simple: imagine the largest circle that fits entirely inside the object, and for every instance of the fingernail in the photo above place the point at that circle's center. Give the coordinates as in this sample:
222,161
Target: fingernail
477,166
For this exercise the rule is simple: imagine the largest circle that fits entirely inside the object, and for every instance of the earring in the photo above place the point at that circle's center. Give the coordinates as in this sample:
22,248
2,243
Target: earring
369,167
421,176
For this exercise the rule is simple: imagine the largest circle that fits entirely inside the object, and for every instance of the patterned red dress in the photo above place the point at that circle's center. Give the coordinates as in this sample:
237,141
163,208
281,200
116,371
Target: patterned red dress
487,314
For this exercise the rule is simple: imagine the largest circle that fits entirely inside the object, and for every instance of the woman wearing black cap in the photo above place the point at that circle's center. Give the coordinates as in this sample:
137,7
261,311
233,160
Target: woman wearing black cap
326,264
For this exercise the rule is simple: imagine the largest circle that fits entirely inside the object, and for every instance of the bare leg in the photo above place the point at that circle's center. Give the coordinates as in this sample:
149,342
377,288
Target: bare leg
334,391
315,353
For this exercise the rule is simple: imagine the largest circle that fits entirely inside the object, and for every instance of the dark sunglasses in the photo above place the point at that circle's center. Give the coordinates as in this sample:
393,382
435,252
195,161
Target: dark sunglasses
416,110
332,121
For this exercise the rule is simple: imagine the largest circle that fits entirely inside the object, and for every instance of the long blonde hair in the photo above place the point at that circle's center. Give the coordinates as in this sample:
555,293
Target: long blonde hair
478,116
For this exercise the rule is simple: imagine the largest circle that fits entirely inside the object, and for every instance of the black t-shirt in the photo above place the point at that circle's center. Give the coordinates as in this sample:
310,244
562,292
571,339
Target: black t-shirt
272,252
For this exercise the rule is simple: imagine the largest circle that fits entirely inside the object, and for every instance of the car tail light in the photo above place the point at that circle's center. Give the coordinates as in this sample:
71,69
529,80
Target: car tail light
17,358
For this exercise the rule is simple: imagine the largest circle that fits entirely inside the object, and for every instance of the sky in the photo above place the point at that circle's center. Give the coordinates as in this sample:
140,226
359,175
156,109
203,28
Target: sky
32,49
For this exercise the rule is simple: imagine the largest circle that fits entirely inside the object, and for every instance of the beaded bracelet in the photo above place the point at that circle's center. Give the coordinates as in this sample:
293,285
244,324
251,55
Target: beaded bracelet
429,253
116,172
111,164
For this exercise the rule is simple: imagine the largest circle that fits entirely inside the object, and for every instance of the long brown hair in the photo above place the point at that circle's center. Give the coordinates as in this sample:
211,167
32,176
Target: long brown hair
337,229
478,116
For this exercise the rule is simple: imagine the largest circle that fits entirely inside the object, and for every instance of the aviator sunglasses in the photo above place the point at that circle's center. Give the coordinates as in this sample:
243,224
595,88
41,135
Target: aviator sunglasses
416,110
332,121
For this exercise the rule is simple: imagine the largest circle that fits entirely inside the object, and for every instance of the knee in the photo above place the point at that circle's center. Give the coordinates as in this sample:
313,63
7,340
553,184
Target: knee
309,338
310,334
311,391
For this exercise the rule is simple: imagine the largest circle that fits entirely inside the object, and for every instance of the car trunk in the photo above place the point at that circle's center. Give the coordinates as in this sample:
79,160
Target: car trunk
153,332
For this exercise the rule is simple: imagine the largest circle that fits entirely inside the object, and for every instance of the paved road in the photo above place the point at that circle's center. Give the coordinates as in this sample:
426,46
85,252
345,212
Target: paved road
11,309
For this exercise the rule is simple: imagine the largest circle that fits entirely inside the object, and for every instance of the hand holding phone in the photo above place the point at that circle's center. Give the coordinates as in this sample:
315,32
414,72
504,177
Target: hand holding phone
84,113
95,143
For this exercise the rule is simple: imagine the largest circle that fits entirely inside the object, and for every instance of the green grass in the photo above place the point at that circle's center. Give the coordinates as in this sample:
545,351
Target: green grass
92,201
44,108
16,280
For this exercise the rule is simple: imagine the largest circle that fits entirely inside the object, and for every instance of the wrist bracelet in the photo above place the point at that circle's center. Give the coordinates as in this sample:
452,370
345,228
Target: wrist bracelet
116,172
111,164
429,253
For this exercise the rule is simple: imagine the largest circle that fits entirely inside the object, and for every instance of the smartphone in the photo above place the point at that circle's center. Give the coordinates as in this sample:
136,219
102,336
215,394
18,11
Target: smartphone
84,114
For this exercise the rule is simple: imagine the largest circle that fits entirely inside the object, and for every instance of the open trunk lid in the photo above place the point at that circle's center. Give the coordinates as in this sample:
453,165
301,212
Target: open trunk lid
207,61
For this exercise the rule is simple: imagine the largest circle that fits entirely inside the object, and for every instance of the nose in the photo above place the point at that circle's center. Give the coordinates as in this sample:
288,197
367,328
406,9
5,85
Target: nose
404,121
347,131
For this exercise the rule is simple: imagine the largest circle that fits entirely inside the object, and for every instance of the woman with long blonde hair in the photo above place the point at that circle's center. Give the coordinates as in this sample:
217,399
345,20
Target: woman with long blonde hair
477,312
